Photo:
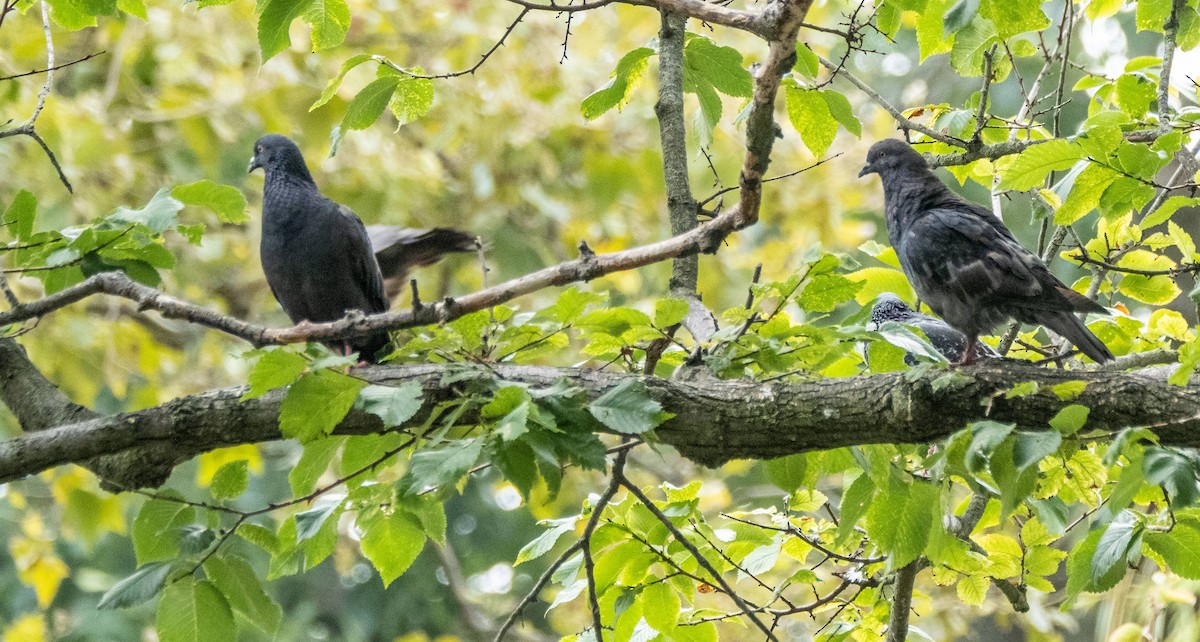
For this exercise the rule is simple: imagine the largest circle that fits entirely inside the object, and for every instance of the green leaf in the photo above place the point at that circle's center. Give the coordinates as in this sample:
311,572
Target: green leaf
136,8
1135,93
230,480
826,291
332,86
718,66
241,587
546,541
413,97
225,201
144,584
393,405
273,23
430,468
615,93
368,105
901,518
660,606
317,403
1113,547
1037,161
807,62
1174,472
329,19
158,215
391,541
310,522
274,369
1030,447
1012,17
668,312
194,611
1069,420
787,472
155,527
1079,569
959,15
1179,548
809,113
840,109
1085,194
314,460
627,408
20,214
855,502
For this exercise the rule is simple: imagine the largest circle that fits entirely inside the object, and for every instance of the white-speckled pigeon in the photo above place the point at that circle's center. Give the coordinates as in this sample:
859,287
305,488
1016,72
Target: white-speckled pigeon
948,341
964,263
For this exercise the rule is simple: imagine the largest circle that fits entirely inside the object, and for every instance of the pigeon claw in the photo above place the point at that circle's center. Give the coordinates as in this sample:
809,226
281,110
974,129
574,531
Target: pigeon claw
969,355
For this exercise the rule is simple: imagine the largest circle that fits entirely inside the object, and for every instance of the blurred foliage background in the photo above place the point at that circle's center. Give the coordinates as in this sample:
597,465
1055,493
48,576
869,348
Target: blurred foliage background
505,153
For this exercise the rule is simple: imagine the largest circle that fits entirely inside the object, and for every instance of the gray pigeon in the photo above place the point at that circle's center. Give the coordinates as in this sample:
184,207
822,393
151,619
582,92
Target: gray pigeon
315,253
399,249
964,263
948,341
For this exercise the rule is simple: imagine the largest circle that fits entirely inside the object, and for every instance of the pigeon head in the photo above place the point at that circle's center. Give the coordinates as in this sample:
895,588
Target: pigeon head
889,307
891,154
274,153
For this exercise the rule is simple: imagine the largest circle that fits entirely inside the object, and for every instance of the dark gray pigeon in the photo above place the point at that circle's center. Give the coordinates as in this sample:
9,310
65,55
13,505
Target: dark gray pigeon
315,253
964,263
399,249
948,341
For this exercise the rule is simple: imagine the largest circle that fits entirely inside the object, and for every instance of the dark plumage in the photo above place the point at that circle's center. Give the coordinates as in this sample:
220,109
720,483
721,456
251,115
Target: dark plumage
399,249
315,253
948,341
964,263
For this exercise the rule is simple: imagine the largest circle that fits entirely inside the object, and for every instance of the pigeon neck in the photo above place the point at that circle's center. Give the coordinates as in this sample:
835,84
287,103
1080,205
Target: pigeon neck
907,192
289,172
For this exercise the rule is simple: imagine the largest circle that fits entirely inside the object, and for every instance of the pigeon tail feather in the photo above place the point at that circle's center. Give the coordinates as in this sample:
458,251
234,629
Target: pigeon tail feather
1072,329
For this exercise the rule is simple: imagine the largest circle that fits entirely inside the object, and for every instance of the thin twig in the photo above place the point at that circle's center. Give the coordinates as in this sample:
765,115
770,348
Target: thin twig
469,70
34,72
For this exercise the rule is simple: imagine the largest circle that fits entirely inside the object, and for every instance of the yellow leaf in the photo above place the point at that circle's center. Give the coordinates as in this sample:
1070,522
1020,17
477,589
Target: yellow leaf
44,575
972,589
211,462
27,628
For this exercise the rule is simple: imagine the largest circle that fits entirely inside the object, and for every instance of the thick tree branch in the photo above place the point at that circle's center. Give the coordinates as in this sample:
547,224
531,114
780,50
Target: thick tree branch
715,420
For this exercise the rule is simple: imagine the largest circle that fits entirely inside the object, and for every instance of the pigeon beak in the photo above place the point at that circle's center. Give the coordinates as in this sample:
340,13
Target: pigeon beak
866,169
254,164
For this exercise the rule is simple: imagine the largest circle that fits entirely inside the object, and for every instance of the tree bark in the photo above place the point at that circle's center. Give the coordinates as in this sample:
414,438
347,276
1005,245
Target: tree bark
715,420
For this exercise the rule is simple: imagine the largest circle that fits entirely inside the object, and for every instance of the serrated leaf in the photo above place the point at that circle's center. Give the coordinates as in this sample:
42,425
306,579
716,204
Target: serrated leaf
310,522
627,408
807,62
809,113
1037,161
158,215
20,214
1174,472
413,98
1179,548
194,611
154,529
615,93
826,291
316,404
368,105
668,312
226,201
1069,420
1030,447
332,86
391,541
241,587
660,606
329,19
230,480
393,405
720,67
144,584
314,460
430,468
544,542
273,23
1113,547
840,109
